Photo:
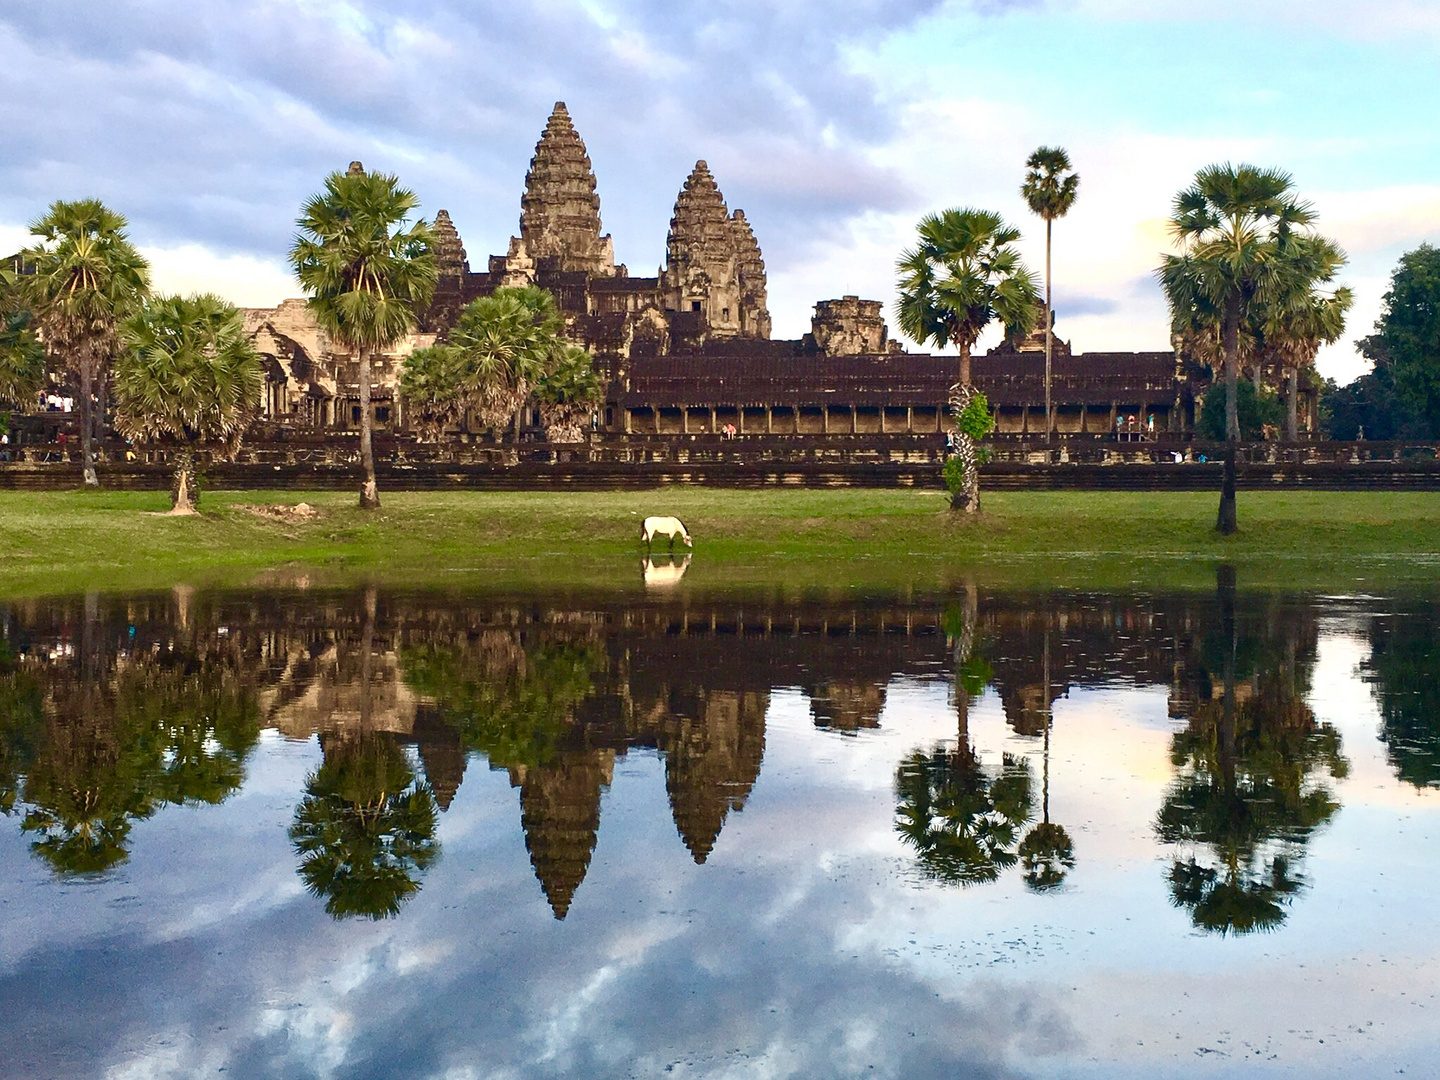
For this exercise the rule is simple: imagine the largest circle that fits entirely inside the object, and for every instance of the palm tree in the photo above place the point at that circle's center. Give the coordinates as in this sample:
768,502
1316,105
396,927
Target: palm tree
87,278
22,357
367,273
1049,190
188,374
1235,227
499,350
962,276
1294,327
569,393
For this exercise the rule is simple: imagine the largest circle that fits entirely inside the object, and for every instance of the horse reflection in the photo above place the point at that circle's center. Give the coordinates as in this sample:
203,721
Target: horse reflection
663,575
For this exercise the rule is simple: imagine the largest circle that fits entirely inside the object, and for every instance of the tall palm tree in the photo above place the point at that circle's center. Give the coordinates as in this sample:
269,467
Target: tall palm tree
367,272
1049,190
501,347
190,375
961,276
1235,226
86,279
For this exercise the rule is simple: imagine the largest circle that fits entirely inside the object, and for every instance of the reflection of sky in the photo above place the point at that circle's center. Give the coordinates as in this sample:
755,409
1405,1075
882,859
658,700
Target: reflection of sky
805,946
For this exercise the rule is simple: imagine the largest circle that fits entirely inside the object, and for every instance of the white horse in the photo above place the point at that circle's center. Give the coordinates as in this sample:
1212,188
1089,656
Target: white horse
661,575
664,526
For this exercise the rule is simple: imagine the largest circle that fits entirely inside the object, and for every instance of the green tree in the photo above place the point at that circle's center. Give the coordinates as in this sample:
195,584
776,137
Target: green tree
188,375
367,272
961,276
1255,409
1405,347
569,392
1234,227
498,351
365,829
22,357
86,279
1049,190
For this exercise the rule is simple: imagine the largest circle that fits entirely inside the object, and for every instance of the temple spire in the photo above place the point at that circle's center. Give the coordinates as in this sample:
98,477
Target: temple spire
560,210
450,258
713,263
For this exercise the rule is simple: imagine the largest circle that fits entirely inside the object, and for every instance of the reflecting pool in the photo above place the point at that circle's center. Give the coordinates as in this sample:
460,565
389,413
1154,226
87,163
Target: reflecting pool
981,833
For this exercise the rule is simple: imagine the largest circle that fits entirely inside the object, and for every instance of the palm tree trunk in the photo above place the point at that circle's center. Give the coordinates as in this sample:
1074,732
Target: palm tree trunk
87,382
1045,661
183,493
968,500
1049,413
1225,743
369,493
1292,393
1225,521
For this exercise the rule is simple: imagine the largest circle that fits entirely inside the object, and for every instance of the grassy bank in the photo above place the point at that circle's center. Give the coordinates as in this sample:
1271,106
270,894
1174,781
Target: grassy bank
835,538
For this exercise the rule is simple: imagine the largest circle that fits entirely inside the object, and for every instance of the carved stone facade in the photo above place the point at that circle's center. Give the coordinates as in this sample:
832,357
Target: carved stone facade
713,264
849,327
560,211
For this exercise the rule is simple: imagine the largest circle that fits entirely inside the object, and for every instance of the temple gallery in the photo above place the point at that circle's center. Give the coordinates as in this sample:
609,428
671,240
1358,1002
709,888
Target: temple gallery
689,350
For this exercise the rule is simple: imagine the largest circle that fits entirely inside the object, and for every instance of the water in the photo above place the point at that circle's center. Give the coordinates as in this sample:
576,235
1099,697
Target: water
298,832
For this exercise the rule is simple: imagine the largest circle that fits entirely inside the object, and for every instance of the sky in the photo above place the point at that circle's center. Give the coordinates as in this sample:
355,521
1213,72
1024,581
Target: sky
835,124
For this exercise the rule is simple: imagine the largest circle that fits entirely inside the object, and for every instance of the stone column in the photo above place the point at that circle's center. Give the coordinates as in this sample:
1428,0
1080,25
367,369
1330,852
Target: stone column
854,423
909,419
882,419
712,419
825,419
769,419
684,420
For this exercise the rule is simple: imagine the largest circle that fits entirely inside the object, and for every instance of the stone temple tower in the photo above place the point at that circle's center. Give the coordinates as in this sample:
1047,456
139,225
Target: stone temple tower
560,211
713,264
450,258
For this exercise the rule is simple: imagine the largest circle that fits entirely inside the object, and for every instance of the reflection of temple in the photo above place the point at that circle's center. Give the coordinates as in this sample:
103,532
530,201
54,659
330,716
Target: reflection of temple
688,350
556,694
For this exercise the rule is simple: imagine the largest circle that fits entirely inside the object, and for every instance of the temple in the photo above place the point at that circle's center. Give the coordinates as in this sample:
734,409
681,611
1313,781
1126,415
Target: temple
689,351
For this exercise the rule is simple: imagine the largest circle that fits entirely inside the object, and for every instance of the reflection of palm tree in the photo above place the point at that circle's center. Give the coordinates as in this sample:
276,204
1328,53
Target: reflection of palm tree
1046,851
362,830
962,819
1244,789
92,776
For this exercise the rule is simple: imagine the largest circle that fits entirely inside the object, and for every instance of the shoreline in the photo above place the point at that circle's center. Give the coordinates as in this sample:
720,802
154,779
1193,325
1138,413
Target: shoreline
831,539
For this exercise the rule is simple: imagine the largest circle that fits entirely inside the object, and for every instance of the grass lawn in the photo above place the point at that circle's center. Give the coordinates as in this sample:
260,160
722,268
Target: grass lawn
845,538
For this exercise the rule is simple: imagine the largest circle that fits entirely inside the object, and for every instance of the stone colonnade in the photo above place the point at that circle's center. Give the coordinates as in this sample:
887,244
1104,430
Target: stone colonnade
783,419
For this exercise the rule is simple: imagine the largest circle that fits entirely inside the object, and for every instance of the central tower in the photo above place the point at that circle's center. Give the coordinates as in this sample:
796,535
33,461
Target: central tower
560,210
